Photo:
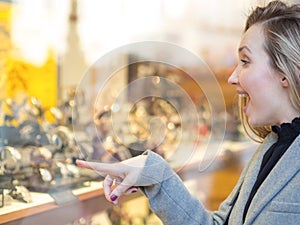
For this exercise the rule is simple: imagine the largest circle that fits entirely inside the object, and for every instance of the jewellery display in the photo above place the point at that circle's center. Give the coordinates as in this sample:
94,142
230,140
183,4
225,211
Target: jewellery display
36,155
40,155
6,182
10,160
20,192
153,124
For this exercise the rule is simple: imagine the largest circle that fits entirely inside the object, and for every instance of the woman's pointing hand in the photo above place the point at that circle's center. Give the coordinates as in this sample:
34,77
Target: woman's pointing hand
121,177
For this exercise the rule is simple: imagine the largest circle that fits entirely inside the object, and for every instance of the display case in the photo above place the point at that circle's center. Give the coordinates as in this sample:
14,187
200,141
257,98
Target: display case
69,206
210,186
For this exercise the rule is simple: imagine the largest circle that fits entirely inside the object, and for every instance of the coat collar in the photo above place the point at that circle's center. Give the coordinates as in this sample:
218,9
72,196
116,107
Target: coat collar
278,178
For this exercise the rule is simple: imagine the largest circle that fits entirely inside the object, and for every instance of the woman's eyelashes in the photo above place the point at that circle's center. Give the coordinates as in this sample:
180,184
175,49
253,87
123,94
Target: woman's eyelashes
244,62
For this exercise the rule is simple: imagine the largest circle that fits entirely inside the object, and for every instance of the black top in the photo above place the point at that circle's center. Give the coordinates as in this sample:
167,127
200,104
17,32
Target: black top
287,133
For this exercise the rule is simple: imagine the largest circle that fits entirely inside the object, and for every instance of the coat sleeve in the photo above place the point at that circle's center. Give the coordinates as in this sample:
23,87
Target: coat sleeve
170,200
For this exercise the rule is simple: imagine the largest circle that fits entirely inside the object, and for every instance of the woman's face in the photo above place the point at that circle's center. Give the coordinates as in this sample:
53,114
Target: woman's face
255,78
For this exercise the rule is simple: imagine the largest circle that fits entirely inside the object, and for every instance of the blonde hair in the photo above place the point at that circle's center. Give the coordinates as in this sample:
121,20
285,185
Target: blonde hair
281,25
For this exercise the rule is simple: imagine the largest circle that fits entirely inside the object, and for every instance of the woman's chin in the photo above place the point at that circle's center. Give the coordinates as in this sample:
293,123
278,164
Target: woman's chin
256,123
253,122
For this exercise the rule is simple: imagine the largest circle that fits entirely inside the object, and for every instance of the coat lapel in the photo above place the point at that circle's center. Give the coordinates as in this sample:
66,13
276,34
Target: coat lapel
281,174
250,178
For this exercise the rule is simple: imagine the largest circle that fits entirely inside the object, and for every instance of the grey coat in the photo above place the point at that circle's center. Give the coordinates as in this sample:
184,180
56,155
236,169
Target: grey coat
277,201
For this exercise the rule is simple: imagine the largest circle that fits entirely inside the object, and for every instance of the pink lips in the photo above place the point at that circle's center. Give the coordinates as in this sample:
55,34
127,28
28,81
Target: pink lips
242,93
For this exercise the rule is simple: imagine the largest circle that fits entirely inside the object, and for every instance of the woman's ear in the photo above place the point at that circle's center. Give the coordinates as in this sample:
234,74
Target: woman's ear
284,82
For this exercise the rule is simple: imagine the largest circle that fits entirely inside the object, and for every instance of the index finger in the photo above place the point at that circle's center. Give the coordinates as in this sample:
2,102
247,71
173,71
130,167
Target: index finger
107,168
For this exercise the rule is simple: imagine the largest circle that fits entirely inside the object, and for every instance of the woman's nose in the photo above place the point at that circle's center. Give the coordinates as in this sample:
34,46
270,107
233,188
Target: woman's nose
233,78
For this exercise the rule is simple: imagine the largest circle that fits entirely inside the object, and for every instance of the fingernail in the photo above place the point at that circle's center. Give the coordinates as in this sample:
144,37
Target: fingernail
113,198
134,190
78,160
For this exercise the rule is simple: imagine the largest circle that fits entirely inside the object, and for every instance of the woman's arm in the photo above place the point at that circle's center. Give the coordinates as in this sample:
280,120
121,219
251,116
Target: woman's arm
168,197
170,200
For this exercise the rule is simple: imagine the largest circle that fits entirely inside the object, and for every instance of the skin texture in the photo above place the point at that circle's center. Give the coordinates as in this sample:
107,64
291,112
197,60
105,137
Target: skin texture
267,89
121,176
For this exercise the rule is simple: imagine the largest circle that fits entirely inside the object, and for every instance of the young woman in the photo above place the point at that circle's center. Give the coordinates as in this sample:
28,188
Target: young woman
268,191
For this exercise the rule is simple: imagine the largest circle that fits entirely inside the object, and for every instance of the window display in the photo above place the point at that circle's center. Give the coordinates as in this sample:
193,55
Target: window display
37,155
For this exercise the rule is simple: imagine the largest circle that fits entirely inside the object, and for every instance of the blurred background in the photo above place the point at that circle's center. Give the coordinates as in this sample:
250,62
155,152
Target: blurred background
60,39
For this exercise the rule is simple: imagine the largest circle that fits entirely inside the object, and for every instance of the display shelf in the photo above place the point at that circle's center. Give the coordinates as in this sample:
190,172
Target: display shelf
90,200
44,210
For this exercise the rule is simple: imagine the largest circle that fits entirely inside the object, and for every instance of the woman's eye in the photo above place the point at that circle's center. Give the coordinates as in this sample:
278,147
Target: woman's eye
244,61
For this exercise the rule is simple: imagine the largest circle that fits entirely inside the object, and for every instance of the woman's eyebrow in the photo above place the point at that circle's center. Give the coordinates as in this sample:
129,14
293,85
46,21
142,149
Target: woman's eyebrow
244,47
